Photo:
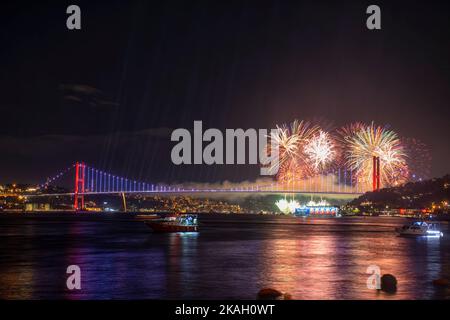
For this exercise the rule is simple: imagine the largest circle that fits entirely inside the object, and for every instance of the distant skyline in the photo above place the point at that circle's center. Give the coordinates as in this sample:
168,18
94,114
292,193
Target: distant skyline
111,93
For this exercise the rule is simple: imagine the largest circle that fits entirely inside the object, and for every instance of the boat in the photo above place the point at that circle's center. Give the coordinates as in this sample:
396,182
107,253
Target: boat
421,228
174,223
319,209
147,216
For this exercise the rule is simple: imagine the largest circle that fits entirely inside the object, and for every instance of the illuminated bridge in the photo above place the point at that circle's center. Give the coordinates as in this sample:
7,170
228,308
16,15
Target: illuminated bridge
91,181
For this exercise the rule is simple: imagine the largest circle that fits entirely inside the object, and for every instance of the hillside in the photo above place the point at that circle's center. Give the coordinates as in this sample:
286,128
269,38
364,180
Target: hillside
431,194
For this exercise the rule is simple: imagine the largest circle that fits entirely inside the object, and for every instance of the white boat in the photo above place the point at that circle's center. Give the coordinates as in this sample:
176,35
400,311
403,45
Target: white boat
421,228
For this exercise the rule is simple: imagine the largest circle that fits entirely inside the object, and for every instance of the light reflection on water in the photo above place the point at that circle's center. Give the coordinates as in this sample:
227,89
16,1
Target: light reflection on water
232,257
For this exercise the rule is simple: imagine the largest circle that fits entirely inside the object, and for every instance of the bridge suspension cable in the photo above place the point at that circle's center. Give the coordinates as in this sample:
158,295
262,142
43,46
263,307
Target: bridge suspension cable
89,180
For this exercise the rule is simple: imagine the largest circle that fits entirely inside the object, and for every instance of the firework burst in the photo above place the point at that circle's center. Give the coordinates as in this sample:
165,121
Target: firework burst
287,207
291,139
307,151
320,151
362,143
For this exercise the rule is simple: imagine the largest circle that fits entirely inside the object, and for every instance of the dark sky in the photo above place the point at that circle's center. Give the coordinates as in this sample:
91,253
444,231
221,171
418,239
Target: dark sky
111,93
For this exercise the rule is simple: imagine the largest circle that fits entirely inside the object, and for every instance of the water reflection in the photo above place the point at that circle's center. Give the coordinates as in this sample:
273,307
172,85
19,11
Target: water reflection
17,276
17,283
181,263
302,267
232,257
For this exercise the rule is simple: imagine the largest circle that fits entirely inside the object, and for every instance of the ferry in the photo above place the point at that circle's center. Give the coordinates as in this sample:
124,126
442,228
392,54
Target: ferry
174,223
421,228
319,209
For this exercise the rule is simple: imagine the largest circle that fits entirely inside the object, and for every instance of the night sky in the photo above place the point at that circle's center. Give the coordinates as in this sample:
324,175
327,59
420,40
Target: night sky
111,93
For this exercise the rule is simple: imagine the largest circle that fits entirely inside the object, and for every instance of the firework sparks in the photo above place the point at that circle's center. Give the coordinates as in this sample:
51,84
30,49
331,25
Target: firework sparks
306,151
293,163
320,151
363,143
286,206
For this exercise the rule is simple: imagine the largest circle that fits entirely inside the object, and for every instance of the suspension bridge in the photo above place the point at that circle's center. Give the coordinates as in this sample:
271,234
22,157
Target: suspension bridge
91,181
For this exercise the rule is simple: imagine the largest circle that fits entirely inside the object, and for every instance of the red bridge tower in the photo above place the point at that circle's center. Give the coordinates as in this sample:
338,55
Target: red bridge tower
80,169
376,174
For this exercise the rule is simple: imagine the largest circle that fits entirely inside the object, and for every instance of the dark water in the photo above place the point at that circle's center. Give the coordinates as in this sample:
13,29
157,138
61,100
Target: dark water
232,257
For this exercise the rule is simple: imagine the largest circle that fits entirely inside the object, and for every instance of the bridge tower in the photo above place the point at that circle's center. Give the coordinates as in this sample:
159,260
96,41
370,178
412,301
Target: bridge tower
80,169
376,174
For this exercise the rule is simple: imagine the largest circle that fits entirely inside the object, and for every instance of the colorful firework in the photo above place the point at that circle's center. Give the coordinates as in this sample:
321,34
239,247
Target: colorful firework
306,151
286,206
342,134
350,130
291,139
362,143
320,151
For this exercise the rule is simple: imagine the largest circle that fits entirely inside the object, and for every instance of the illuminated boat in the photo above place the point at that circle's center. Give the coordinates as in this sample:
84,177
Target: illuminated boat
317,209
174,223
421,228
147,216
